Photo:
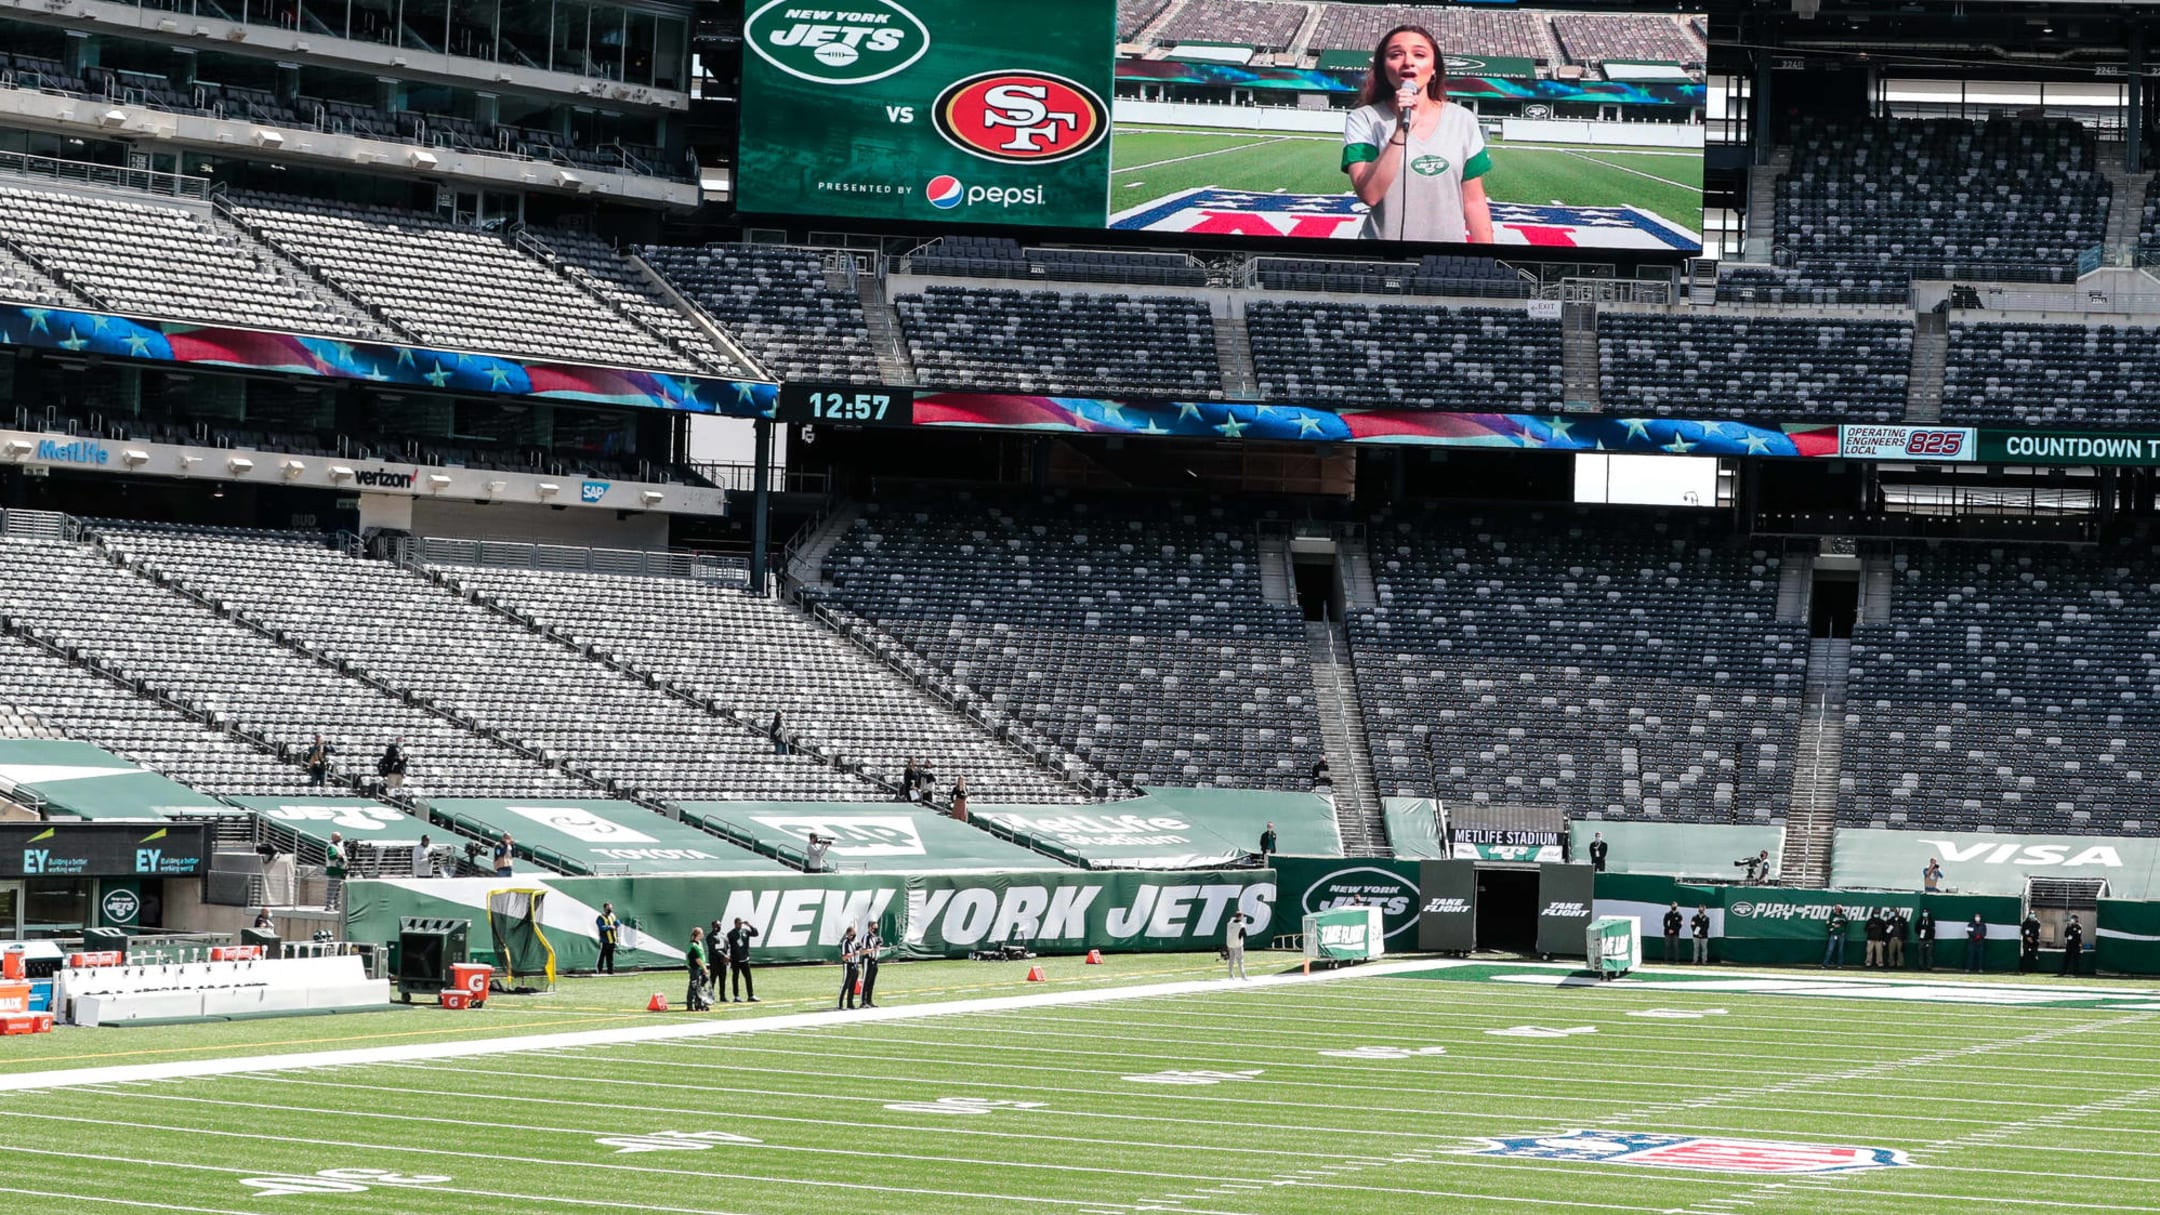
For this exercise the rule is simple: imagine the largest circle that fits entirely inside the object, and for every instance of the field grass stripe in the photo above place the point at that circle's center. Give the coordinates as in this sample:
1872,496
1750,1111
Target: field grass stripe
71,1198
1178,160
502,1158
590,1134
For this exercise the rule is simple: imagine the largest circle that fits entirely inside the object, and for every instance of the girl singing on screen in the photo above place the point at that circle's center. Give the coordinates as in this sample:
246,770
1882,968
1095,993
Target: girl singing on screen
1405,116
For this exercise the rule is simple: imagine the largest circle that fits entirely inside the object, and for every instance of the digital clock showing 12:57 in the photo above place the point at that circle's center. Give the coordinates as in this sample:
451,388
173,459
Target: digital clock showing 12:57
835,405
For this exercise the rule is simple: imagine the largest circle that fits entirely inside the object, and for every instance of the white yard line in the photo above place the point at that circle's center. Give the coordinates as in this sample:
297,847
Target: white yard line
1178,160
826,1019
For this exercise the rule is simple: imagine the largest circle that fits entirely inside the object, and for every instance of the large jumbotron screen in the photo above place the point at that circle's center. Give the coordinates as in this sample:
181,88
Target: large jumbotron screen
1049,114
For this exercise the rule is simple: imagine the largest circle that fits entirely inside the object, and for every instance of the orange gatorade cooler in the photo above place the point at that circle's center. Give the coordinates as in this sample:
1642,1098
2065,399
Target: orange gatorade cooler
472,979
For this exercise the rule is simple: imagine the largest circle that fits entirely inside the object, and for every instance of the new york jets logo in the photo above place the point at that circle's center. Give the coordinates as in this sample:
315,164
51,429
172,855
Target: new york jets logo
1429,166
851,43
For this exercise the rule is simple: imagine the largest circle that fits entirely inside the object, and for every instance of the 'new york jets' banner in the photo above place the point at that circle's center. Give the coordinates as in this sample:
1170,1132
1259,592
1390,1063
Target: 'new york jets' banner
800,917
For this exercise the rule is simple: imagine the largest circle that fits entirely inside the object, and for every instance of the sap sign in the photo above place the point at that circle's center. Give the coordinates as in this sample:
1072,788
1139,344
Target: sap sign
81,451
593,491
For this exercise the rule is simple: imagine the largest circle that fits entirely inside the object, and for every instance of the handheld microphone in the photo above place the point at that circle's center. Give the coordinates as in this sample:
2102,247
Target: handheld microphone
1406,98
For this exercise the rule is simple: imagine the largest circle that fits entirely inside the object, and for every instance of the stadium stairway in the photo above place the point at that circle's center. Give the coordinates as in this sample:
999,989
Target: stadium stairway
883,321
1342,733
1818,753
807,552
1579,368
22,276
277,262
1233,354
2124,213
1930,351
1762,205
714,332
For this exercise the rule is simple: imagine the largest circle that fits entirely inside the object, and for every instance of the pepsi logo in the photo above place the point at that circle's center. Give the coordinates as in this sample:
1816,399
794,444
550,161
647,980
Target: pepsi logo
1021,117
944,192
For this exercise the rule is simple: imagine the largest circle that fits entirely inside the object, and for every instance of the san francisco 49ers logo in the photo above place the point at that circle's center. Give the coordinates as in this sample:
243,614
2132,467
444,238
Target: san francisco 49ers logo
1021,117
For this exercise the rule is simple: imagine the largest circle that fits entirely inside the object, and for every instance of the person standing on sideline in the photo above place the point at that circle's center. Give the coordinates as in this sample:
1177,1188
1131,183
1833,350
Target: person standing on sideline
423,858
334,872
738,956
1931,877
1598,849
391,767
1700,925
694,999
1976,945
850,968
716,960
606,927
318,761
1877,931
1900,932
2073,945
871,944
1834,950
505,855
1267,843
1924,933
1672,933
2029,943
1234,944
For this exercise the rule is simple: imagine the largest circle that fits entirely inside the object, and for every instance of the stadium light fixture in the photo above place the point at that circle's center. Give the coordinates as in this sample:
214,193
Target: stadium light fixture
419,158
495,488
651,497
240,466
547,489
437,482
268,139
112,118
339,472
293,468
237,33
19,448
135,457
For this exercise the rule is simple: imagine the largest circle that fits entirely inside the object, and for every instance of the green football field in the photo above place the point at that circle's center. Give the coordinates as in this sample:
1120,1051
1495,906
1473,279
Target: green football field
1149,163
1366,1094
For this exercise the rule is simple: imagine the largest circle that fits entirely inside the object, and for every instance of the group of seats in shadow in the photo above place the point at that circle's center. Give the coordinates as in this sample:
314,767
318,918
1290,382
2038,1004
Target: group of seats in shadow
399,627
166,644
157,261
1432,274
776,302
1132,631
1405,356
1062,342
759,653
2012,689
1611,664
1944,197
1887,286
450,284
1002,257
1776,367
2021,373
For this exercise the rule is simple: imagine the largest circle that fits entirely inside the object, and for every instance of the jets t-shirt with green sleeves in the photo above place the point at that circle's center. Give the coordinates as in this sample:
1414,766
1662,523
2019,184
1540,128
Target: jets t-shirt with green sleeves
1437,166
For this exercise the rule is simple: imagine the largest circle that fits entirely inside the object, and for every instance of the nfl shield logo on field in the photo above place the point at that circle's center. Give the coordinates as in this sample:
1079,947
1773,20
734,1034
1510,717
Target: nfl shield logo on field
1698,1152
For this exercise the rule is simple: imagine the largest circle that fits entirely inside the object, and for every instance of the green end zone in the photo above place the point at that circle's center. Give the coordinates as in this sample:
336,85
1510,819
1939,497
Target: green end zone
1370,1093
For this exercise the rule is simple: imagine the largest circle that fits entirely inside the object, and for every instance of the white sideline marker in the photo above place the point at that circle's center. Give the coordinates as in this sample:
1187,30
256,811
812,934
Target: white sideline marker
412,1052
